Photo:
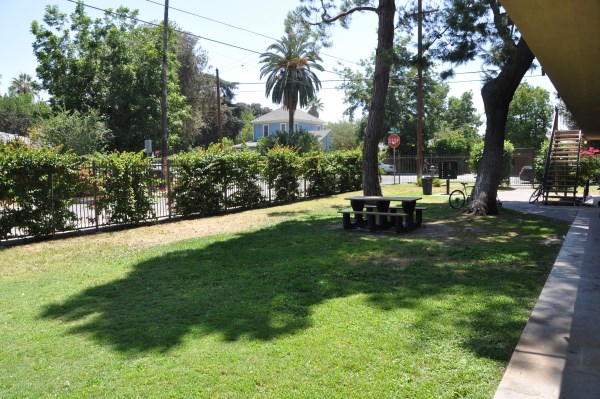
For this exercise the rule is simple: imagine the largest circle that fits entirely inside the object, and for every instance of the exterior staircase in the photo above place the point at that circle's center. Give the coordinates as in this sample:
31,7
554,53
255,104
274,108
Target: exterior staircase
561,174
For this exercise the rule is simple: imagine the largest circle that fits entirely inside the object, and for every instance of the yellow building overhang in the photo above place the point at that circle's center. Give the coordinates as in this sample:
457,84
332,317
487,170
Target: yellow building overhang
564,35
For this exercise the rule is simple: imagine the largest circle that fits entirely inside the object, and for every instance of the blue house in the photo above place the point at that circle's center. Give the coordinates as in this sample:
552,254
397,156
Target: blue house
278,120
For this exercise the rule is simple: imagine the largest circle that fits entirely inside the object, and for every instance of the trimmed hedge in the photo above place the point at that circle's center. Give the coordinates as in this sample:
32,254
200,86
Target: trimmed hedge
38,187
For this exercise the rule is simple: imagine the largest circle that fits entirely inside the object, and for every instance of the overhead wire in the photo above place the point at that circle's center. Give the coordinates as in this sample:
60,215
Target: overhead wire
240,28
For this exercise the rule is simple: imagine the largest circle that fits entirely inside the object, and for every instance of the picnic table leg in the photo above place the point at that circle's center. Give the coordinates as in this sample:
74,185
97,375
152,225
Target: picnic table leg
358,205
419,214
372,222
398,224
346,221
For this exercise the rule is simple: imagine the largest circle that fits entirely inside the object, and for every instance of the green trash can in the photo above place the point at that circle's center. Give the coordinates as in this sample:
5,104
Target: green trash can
427,185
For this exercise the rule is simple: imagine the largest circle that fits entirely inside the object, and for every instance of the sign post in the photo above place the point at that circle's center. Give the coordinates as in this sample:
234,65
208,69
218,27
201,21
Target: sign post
394,142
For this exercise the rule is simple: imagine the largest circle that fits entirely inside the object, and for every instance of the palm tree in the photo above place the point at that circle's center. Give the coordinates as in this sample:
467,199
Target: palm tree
288,65
314,106
24,84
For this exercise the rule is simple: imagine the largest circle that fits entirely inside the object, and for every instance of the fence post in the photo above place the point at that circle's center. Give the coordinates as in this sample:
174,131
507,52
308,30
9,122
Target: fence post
95,185
52,203
168,176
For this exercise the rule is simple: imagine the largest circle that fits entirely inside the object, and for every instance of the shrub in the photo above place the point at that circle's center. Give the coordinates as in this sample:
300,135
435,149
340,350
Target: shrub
477,153
589,165
319,172
198,187
283,171
37,187
81,133
347,166
123,183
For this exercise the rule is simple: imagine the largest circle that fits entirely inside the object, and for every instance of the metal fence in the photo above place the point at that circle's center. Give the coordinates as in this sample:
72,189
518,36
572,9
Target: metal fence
406,167
90,210
86,211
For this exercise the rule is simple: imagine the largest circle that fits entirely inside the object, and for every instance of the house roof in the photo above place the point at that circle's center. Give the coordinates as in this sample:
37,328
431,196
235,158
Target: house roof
282,115
321,134
564,36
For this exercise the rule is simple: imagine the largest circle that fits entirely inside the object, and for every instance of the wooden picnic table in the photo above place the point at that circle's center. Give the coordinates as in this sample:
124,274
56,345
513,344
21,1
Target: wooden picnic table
380,209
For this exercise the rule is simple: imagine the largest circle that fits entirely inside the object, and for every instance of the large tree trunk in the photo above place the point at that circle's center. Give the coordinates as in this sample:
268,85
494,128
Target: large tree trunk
497,95
375,123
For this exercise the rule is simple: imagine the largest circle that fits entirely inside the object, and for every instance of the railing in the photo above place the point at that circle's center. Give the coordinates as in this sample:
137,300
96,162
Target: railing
150,199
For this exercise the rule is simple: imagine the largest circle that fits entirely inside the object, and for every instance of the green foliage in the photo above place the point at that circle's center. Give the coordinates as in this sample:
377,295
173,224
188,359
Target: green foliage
247,132
300,140
347,166
74,131
204,179
123,183
529,117
20,112
283,172
319,171
401,102
199,186
507,156
453,142
343,135
112,65
589,165
37,187
540,161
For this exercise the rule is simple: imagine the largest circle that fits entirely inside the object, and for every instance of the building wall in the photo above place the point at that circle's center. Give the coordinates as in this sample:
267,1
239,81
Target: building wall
274,127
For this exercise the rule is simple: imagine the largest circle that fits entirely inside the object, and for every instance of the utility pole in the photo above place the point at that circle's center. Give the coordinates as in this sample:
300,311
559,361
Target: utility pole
163,102
420,90
219,110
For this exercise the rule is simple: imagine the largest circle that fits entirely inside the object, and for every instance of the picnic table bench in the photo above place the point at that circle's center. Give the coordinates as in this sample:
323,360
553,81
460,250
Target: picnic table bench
380,215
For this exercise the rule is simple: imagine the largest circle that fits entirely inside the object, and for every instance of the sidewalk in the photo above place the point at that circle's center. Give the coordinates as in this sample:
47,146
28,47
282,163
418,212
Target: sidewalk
558,355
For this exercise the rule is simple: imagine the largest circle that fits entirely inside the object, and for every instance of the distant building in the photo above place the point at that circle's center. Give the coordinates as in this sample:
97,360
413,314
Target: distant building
278,120
6,137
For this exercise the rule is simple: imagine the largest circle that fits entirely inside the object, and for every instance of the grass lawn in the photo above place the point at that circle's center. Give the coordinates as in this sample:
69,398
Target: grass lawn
278,302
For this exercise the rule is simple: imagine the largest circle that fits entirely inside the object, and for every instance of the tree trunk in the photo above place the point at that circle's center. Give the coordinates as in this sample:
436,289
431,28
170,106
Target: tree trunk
291,119
497,95
375,123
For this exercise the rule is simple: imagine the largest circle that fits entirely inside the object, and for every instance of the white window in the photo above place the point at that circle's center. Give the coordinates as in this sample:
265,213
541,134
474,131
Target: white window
282,127
319,127
296,127
265,130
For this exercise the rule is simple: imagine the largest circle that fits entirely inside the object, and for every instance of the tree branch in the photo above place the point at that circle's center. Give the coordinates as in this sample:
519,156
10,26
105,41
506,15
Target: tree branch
500,24
326,20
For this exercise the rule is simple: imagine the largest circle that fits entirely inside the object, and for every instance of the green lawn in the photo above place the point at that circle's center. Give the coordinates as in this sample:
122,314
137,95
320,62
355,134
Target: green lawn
296,307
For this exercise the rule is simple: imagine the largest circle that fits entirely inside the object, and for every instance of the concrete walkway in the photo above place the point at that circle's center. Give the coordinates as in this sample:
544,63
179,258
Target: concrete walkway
558,355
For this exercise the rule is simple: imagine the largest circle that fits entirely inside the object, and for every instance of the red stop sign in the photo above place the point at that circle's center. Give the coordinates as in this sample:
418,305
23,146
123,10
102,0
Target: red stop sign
394,140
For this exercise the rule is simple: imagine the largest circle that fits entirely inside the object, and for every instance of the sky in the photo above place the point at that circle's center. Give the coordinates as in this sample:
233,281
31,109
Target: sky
239,25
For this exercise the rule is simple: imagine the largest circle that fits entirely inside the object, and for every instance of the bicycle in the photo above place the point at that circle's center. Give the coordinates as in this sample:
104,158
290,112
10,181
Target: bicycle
537,193
458,198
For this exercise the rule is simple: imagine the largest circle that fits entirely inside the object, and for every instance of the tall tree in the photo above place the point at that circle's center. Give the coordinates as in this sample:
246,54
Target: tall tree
401,101
19,113
473,29
112,65
462,115
289,66
314,106
343,135
529,117
24,84
330,12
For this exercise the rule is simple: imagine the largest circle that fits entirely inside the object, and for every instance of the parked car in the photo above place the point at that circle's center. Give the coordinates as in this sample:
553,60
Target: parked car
387,168
526,174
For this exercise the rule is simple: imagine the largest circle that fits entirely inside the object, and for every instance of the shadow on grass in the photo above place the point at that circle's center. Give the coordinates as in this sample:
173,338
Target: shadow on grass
263,285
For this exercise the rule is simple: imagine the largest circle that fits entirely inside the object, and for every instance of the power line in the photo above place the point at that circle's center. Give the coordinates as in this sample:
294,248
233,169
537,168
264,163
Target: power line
242,29
177,30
